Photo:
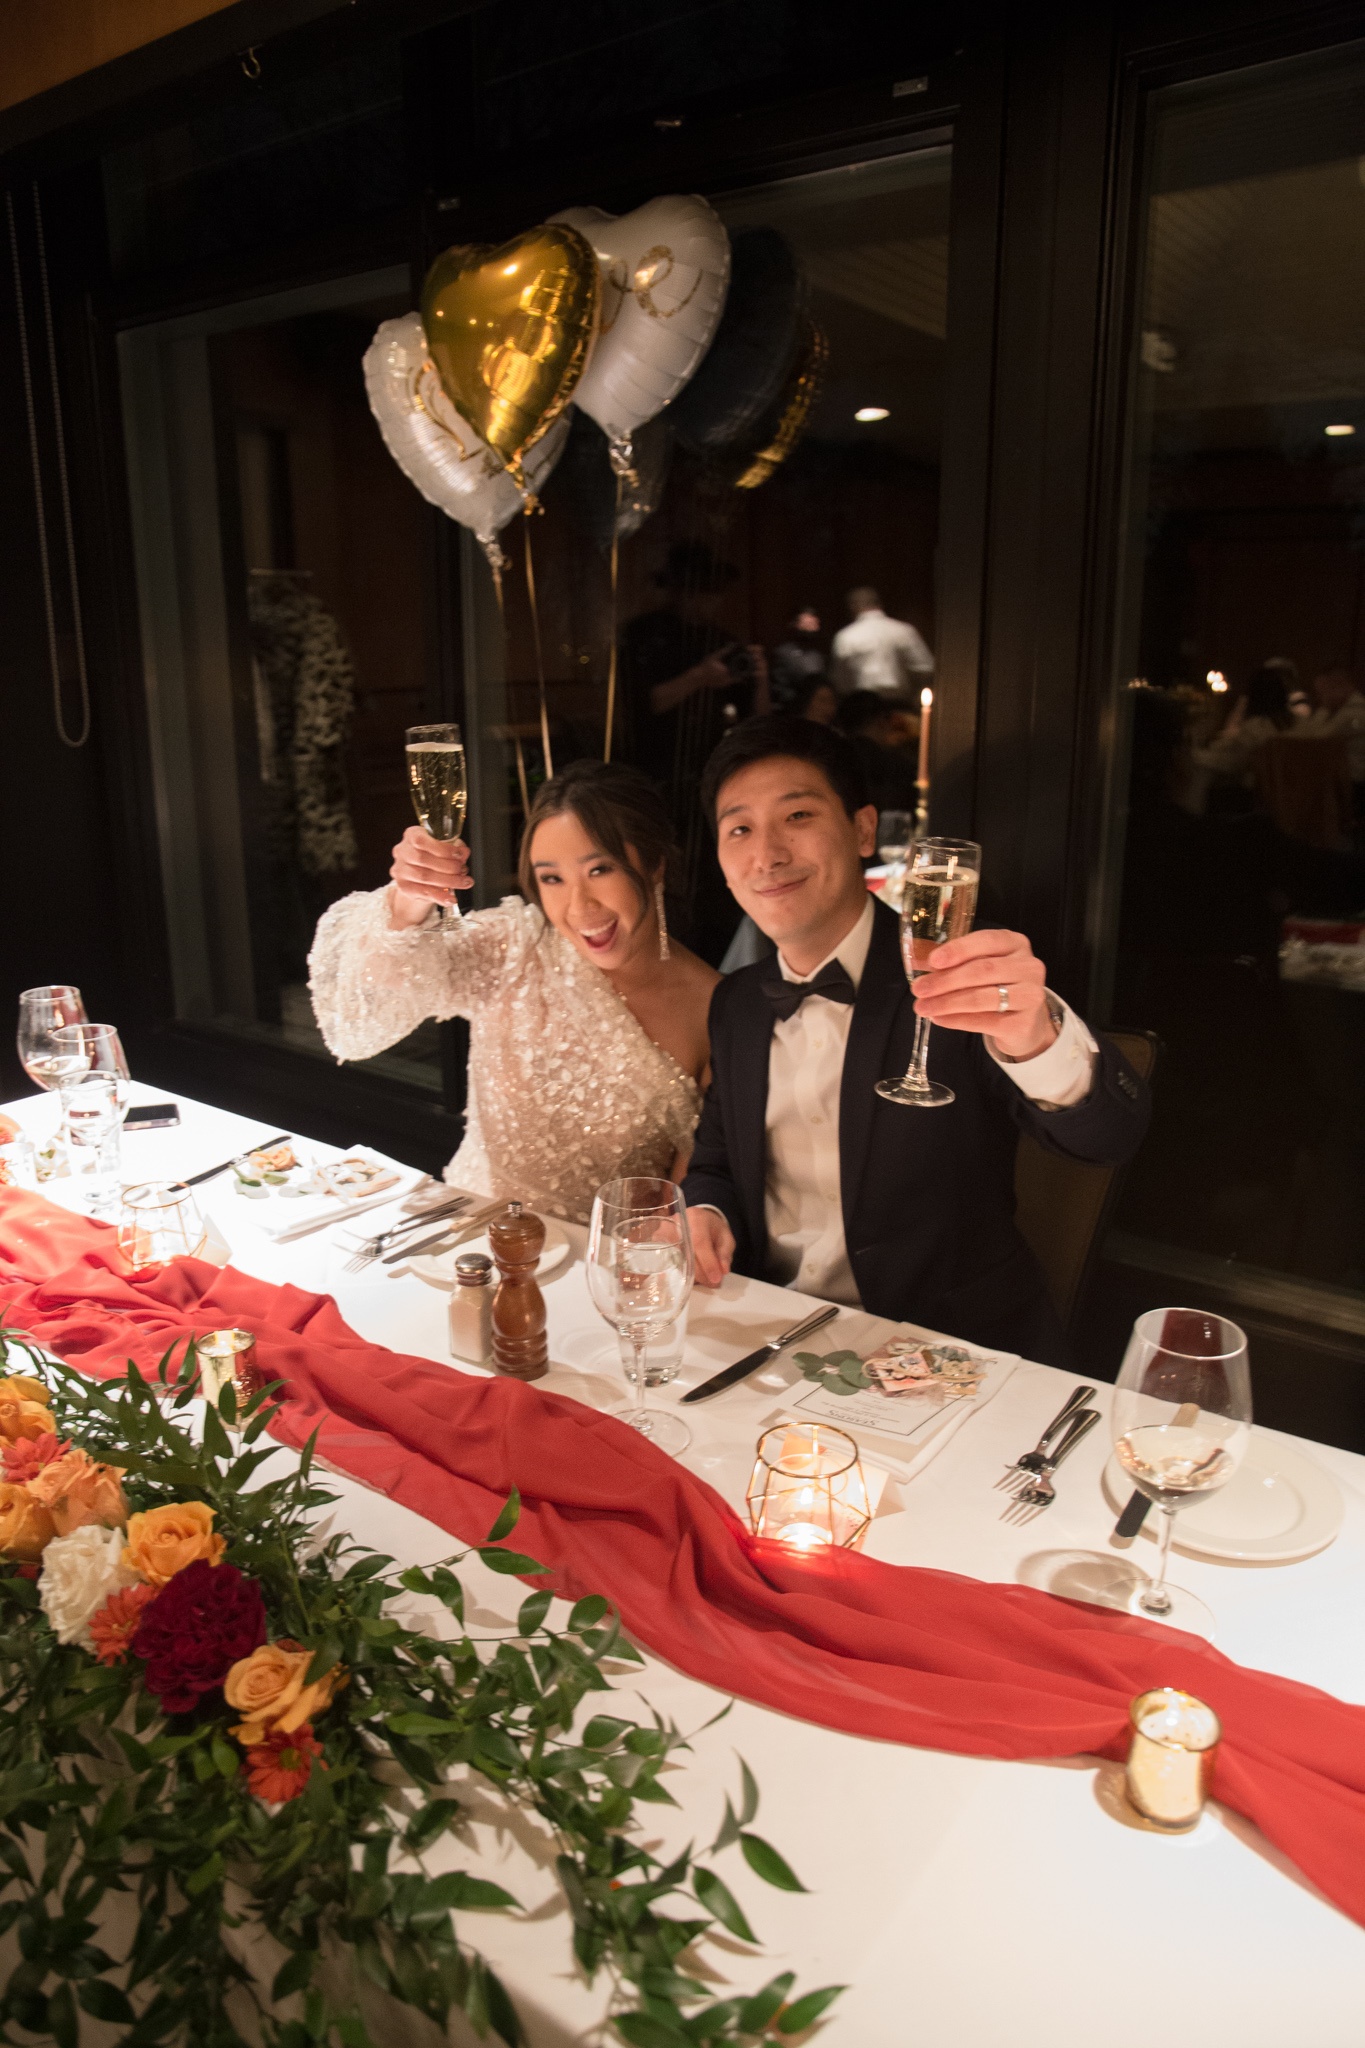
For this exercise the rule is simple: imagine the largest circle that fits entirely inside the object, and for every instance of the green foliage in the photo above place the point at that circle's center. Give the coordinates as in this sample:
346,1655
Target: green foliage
100,1792
838,1372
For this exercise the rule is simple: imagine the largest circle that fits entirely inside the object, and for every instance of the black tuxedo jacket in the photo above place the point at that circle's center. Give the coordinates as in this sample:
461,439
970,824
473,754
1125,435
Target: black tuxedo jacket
928,1195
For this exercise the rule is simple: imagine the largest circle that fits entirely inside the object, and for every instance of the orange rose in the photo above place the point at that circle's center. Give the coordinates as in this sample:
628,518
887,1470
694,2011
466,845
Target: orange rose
78,1492
26,1528
268,1688
24,1409
164,1540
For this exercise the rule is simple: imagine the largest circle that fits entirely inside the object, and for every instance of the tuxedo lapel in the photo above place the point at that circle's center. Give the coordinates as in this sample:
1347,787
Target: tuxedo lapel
751,1032
880,993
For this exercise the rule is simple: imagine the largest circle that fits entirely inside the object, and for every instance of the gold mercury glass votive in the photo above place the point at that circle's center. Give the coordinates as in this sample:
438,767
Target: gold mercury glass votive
1170,1763
228,1357
807,1489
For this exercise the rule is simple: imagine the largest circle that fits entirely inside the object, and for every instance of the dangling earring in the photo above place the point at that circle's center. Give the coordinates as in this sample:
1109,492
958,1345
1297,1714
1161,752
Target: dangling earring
662,920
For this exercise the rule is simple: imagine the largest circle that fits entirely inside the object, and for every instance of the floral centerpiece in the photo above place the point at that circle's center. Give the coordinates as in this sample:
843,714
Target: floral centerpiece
209,1706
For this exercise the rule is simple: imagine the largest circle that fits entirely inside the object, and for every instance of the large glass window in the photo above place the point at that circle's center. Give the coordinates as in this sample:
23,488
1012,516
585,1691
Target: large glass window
1231,906
284,571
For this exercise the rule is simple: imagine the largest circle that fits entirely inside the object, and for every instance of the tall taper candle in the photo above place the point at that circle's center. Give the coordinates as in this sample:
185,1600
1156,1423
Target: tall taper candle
926,702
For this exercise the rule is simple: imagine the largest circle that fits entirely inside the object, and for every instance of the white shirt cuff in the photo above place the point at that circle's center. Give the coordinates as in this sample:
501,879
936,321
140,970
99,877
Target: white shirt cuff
1061,1075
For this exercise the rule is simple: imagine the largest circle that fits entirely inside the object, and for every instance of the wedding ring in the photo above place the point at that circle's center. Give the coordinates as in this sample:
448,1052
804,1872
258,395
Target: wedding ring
1004,993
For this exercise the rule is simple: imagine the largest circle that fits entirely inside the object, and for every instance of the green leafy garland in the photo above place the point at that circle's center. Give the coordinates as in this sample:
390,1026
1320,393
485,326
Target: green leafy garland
101,1791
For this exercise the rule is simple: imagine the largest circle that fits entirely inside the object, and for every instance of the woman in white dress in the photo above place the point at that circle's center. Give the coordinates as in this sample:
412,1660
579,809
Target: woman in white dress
588,1051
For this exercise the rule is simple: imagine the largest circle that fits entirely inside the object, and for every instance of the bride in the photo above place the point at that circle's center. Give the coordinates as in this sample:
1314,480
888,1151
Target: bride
588,1050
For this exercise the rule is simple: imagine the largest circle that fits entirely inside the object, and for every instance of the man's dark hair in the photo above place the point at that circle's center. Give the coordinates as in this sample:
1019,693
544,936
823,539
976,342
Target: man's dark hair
776,735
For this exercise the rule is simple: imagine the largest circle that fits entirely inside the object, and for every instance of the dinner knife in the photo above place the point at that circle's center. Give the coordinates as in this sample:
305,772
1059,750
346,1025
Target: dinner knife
742,1367
458,1230
212,1172
1138,1508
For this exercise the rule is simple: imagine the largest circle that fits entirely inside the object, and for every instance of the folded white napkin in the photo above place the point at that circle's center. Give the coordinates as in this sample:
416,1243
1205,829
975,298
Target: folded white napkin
282,1214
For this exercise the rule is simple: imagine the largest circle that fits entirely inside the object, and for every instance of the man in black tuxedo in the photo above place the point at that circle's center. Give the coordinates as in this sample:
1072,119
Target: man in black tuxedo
801,1173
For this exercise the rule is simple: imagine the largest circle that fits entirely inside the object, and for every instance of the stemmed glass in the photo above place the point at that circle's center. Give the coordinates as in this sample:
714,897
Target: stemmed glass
640,1277
42,1012
1182,1423
436,777
938,904
895,830
102,1049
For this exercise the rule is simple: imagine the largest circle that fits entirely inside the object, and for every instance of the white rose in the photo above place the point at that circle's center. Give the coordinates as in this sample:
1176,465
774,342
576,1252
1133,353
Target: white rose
80,1571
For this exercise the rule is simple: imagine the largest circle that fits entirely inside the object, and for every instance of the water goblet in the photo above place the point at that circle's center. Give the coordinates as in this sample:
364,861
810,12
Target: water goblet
640,1274
103,1052
92,1121
1182,1422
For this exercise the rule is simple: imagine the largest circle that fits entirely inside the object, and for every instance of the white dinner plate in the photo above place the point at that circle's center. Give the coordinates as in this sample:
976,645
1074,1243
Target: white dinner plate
1278,1506
439,1267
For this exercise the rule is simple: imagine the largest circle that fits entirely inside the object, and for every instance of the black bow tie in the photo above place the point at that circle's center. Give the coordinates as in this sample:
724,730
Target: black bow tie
787,997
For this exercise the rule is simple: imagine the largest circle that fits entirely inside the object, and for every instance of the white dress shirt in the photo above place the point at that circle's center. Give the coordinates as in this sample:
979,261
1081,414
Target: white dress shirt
878,653
803,1198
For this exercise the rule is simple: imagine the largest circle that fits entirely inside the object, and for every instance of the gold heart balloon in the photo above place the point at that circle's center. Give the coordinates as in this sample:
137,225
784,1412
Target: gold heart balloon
510,331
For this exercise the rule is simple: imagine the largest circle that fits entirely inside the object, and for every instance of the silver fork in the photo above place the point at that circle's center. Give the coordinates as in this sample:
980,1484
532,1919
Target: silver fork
1038,1491
366,1254
1034,1460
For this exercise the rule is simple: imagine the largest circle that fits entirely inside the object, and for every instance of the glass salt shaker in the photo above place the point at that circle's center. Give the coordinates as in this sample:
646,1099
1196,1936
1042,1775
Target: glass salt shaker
471,1309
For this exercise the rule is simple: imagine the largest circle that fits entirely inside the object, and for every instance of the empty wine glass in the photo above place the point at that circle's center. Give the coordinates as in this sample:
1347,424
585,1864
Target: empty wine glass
1182,1423
103,1052
938,904
43,1011
640,1278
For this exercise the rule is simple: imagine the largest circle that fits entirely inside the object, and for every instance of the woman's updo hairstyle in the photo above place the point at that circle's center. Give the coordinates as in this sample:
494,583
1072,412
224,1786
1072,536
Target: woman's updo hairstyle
622,813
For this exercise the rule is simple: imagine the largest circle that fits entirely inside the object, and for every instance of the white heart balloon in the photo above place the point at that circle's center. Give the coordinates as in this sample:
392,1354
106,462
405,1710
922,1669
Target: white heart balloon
665,272
438,450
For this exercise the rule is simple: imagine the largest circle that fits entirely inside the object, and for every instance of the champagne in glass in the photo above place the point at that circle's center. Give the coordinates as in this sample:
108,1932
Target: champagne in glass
42,1013
1182,1423
436,778
938,904
640,1273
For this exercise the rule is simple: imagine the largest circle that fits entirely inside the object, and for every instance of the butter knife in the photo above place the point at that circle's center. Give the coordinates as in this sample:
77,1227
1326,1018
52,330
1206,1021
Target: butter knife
455,1233
742,1367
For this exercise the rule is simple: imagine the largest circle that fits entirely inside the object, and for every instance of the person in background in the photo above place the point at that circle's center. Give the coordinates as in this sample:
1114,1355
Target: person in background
797,660
801,1174
1260,712
587,1023
880,735
1339,713
878,653
818,701
683,676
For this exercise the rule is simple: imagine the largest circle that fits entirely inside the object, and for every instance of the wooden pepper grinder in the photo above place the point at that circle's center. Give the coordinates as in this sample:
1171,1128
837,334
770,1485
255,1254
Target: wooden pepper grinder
519,1347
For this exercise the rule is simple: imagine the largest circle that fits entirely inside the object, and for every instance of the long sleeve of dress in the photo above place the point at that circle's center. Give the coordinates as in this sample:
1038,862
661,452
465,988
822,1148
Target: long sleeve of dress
372,985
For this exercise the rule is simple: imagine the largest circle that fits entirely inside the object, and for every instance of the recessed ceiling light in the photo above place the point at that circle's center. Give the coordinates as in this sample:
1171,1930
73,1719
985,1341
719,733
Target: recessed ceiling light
1335,432
880,412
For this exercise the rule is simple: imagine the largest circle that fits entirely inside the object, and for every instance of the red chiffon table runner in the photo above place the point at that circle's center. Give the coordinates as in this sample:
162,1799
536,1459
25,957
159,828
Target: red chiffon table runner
844,1641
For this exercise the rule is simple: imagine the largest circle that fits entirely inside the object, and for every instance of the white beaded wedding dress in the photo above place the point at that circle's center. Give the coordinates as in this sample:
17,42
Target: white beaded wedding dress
566,1090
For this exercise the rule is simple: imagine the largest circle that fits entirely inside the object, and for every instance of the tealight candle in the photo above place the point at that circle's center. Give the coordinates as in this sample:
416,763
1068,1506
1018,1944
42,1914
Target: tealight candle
807,1490
1170,1763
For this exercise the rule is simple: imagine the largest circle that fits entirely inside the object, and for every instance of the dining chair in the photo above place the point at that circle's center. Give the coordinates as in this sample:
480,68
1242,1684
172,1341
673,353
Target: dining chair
1062,1205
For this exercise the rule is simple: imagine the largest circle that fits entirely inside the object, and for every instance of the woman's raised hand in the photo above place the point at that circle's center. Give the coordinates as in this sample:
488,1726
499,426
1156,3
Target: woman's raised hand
425,871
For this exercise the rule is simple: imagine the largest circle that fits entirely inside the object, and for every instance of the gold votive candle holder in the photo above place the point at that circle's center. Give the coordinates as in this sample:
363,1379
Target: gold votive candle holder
228,1358
1171,1758
159,1220
807,1490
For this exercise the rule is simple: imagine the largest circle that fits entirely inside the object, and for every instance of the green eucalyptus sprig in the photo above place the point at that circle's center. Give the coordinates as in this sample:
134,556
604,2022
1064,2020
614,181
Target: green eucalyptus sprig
101,1792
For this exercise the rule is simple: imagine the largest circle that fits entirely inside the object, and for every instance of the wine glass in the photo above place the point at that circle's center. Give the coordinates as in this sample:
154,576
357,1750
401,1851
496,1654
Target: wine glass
1182,1423
436,777
640,1277
895,830
938,904
103,1051
42,1011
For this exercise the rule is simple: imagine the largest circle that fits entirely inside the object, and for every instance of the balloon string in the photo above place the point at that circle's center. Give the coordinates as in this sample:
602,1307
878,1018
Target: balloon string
611,657
540,657
496,562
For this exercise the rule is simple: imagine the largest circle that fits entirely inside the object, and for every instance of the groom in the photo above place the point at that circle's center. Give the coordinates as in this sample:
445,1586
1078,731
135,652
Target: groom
803,1175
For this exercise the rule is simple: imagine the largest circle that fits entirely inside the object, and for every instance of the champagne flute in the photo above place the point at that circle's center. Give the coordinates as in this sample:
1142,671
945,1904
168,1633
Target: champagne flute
43,1011
640,1277
1182,1423
938,904
436,777
103,1052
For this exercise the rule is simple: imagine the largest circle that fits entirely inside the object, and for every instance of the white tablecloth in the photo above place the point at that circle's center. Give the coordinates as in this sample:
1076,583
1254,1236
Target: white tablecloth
968,1904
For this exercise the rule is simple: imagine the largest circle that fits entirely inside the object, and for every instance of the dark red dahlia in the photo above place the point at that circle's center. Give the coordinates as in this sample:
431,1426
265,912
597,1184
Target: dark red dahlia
200,1623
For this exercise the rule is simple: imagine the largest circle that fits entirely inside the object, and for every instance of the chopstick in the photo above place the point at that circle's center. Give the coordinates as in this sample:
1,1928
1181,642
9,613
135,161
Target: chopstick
212,1172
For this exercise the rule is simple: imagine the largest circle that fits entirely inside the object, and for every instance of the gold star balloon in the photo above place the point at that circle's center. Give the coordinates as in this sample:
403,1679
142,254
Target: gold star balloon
510,331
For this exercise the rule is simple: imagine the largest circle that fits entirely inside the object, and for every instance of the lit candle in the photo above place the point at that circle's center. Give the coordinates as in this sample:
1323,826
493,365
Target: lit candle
1170,1763
926,702
805,1536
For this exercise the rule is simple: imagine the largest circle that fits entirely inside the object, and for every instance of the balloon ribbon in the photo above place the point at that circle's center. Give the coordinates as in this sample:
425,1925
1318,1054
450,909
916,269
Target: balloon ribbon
497,562
611,657
540,657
